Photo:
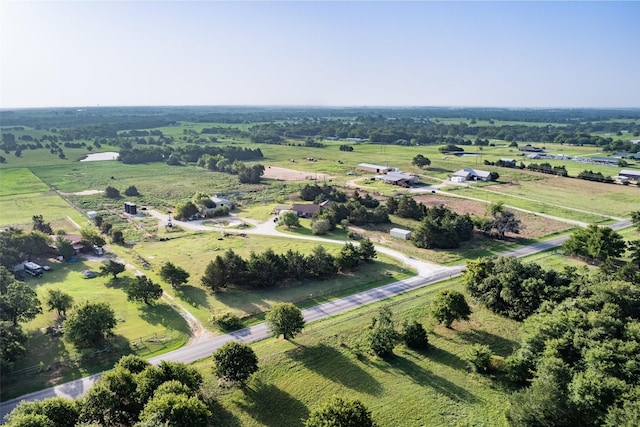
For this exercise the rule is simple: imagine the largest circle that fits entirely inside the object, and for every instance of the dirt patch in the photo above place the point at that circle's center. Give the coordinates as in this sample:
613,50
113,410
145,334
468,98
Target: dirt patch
534,226
84,193
284,174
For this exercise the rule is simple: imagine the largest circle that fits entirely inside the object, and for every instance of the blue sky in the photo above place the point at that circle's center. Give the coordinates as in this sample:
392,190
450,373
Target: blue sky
509,54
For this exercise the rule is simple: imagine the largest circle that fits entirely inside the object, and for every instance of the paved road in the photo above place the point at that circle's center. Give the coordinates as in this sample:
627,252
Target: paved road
428,274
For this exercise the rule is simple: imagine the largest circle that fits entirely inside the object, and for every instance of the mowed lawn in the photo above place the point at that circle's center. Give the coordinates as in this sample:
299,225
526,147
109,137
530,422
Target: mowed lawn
193,252
160,327
430,388
23,194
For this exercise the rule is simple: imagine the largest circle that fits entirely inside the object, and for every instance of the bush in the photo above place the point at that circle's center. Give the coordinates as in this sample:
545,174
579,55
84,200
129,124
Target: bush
227,321
478,358
321,226
112,192
415,336
131,191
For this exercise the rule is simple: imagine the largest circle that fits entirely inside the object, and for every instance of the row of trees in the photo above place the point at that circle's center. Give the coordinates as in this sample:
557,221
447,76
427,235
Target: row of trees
267,269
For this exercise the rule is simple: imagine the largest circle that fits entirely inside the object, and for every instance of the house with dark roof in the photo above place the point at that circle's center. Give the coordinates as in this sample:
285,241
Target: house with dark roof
306,210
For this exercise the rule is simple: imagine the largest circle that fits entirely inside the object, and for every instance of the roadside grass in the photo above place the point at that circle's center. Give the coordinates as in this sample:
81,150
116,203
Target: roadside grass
193,252
413,388
141,329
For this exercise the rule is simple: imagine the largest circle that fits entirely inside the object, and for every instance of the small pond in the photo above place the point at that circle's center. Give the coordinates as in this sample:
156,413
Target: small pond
98,157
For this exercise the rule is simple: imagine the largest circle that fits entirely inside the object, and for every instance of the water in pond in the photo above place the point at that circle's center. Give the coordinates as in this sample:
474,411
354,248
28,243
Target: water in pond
97,157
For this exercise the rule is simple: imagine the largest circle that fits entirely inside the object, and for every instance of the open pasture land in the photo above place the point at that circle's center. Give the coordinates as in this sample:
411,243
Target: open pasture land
194,252
23,194
430,388
548,191
159,326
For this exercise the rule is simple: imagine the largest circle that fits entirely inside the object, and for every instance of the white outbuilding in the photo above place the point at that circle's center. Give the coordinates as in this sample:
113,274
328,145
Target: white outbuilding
400,233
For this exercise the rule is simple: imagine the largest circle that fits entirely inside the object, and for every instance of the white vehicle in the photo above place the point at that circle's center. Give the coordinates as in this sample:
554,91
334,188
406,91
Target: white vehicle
33,269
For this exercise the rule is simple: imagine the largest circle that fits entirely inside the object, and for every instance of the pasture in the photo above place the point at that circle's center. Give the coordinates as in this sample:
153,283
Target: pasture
413,388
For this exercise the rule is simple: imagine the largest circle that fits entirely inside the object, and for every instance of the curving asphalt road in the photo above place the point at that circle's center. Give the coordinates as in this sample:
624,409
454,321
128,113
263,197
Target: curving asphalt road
427,274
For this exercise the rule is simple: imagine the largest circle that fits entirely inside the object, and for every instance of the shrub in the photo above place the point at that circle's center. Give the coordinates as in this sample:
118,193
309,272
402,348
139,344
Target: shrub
478,358
415,336
227,321
320,226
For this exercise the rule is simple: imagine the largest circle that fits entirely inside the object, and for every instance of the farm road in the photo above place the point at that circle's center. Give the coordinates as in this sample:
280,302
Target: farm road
428,274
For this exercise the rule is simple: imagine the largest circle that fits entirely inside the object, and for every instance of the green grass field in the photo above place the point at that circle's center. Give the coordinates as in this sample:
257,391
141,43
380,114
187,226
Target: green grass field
413,388
23,194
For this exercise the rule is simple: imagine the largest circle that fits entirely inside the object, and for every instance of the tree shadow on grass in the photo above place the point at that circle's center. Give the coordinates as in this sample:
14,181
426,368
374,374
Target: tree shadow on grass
259,402
442,356
220,415
499,345
119,282
425,378
163,314
193,296
335,366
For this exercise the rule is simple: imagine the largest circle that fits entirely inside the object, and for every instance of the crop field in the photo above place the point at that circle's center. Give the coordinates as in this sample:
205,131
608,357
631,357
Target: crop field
413,388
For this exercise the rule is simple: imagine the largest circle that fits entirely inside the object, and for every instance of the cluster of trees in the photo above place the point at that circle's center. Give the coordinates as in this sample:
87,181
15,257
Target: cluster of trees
547,168
134,393
499,222
420,161
406,207
16,246
200,204
596,243
267,269
345,147
317,193
579,349
246,174
595,176
442,228
382,335
513,289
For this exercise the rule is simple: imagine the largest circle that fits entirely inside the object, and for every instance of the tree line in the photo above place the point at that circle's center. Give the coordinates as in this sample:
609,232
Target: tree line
268,269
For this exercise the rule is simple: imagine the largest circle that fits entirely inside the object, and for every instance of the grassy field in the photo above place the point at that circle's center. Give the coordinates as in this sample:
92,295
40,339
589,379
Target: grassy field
194,251
23,194
412,389
141,329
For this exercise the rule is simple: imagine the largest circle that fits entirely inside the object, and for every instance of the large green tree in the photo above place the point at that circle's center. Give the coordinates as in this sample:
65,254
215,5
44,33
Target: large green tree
382,336
18,302
599,243
174,275
235,362
143,289
285,319
89,323
112,268
448,306
59,300
289,219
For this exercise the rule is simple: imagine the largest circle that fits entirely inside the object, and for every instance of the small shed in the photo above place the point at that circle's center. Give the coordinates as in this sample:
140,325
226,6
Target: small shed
400,233
92,214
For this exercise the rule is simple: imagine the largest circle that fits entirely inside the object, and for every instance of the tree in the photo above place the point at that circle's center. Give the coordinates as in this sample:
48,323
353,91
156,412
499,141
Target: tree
112,267
59,411
504,221
12,341
450,305
185,210
88,324
131,191
117,237
215,275
635,219
420,161
178,410
382,336
285,319
235,362
595,242
367,250
338,412
174,275
113,400
40,225
415,336
91,237
479,358
18,302
112,192
320,226
59,300
144,290
348,258
289,219
65,248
